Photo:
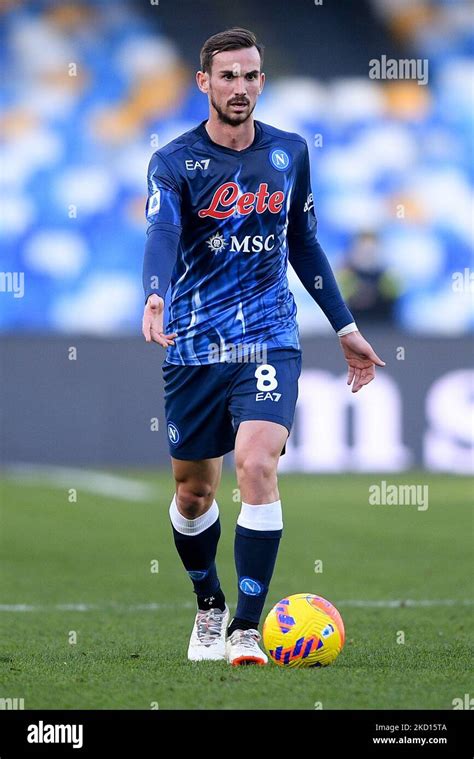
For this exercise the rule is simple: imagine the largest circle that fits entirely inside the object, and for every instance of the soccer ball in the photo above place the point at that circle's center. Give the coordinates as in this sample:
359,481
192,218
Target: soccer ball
303,630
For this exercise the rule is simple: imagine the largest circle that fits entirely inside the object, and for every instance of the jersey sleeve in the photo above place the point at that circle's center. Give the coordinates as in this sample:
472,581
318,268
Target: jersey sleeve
302,224
164,195
163,214
305,253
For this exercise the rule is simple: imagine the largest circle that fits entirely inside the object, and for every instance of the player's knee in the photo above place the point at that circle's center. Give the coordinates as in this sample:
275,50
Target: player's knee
193,498
255,467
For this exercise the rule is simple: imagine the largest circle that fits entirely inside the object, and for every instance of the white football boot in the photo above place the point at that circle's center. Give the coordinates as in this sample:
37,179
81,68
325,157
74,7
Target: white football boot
242,648
207,641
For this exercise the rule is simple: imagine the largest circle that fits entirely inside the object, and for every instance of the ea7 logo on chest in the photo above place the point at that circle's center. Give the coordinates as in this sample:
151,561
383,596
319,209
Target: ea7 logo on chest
42,733
226,201
192,165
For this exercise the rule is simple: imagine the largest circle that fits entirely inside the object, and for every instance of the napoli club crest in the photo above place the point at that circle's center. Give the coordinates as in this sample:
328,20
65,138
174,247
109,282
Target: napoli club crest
279,159
173,433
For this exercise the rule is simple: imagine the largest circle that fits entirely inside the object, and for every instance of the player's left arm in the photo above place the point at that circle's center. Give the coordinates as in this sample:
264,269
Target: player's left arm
163,213
314,271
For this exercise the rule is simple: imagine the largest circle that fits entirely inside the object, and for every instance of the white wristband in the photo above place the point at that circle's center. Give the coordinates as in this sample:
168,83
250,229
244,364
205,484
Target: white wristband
352,327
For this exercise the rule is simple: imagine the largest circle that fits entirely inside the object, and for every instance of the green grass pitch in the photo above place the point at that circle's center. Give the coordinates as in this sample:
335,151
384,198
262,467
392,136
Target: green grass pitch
126,648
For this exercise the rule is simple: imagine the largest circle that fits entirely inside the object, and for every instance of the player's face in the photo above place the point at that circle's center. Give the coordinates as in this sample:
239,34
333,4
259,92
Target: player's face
234,84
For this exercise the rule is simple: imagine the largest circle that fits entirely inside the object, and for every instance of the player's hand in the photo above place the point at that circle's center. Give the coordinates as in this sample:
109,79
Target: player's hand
152,325
361,360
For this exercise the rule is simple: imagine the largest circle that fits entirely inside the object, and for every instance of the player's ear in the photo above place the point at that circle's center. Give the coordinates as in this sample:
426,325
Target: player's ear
202,80
262,83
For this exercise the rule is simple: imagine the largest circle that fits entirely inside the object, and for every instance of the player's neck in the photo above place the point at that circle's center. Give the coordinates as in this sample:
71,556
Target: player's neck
236,138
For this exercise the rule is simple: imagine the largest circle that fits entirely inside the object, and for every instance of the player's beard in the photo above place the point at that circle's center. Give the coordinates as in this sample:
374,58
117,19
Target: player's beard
236,120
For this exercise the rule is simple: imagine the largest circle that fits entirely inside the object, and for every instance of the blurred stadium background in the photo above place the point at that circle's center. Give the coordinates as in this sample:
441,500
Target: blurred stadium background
91,89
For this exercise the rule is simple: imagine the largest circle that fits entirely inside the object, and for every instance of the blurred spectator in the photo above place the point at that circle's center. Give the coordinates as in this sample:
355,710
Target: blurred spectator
369,288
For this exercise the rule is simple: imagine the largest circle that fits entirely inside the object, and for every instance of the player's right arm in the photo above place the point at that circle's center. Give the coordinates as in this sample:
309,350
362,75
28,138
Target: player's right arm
312,266
163,212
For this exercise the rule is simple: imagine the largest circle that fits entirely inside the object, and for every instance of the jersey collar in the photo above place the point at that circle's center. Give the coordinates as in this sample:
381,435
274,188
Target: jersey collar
203,132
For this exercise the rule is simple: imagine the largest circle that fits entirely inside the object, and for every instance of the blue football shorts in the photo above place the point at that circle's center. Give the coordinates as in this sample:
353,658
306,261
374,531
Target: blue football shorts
205,404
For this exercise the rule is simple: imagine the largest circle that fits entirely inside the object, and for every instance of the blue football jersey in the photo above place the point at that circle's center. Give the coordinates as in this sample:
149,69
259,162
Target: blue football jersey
234,211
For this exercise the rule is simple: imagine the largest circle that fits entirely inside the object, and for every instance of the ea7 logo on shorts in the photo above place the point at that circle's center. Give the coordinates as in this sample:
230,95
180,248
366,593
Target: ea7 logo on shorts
173,433
268,396
250,587
192,165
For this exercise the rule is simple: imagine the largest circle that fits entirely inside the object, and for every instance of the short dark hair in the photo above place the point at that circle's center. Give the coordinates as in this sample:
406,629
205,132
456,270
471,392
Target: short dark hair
232,39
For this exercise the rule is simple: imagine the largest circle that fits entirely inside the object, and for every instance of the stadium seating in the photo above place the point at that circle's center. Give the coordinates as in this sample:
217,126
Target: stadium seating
91,90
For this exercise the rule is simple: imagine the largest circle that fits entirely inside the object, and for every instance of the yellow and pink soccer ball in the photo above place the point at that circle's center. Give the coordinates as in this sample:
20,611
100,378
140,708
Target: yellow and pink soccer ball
303,630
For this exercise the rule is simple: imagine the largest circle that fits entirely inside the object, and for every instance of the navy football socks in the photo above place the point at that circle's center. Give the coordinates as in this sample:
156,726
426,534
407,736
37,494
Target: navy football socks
198,554
255,556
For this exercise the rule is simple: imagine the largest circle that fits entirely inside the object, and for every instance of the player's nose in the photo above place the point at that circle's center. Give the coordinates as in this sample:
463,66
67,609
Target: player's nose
240,86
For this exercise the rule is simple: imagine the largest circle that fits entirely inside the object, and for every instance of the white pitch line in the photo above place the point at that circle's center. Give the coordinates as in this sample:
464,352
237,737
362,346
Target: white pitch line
364,604
407,602
97,607
88,480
